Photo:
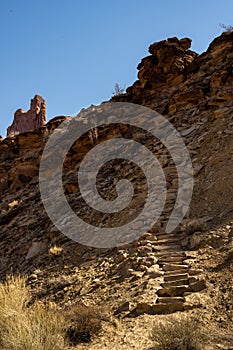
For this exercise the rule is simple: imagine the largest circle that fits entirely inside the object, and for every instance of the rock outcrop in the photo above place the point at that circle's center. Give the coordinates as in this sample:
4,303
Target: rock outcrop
174,77
34,118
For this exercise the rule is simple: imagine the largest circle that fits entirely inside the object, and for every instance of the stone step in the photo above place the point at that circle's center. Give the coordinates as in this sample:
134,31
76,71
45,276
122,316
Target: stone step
176,260
162,235
175,283
194,272
175,277
165,300
176,272
161,263
198,286
173,291
161,308
175,267
172,255
166,240
168,248
163,305
168,236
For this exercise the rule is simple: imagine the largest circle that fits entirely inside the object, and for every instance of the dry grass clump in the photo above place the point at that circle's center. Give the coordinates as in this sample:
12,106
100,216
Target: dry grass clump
178,334
57,251
23,327
82,323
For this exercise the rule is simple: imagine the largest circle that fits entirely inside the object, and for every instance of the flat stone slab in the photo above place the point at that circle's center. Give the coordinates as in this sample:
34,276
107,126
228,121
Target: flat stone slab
173,291
164,236
162,261
161,308
167,240
171,255
198,286
175,283
170,299
175,277
176,272
173,267
169,247
194,272
143,308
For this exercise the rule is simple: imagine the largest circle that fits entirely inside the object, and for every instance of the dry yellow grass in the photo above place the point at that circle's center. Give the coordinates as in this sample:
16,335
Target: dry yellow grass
24,327
56,250
178,334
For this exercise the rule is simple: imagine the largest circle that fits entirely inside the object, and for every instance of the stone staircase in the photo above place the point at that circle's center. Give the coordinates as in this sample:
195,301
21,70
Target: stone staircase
178,280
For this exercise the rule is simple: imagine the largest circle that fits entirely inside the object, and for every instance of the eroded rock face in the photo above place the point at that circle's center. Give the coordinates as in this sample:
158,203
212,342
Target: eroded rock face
34,118
167,63
161,73
173,77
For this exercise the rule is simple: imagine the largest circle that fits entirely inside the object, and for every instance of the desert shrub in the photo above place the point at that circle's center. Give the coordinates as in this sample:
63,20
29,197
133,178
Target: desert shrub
177,334
24,327
82,323
227,29
118,90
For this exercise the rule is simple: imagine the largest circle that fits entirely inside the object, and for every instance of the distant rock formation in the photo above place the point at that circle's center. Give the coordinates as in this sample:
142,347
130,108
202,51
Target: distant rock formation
30,120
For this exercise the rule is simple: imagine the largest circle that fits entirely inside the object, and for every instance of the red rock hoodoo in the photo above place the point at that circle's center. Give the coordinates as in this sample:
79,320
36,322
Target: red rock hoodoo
30,120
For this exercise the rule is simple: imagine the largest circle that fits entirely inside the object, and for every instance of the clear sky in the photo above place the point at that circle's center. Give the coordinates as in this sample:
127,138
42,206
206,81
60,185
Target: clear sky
72,52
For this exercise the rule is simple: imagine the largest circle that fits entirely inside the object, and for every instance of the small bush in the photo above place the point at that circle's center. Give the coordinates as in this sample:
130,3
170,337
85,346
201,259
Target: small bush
23,327
118,90
177,334
227,29
82,324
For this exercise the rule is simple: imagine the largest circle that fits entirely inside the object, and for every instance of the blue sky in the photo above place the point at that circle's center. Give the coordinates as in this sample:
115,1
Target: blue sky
72,52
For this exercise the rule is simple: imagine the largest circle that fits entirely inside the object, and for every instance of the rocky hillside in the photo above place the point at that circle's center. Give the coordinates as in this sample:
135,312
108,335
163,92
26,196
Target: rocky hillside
188,270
